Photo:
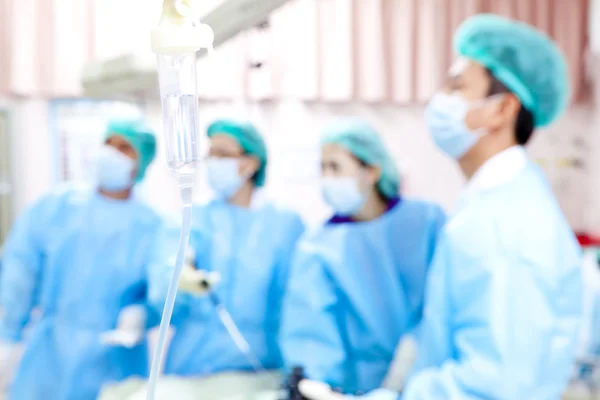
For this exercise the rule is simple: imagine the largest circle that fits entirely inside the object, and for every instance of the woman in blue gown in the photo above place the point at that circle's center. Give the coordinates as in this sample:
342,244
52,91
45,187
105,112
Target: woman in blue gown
357,284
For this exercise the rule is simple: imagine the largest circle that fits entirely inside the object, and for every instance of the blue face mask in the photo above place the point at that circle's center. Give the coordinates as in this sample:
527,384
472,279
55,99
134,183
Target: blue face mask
114,170
343,195
224,176
445,116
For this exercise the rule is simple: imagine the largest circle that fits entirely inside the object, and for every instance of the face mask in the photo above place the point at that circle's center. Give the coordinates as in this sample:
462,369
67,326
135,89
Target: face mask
114,170
224,176
343,195
445,116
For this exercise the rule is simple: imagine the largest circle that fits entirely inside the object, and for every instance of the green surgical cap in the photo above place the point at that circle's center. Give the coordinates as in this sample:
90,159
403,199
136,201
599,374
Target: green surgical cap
142,139
524,59
249,139
363,141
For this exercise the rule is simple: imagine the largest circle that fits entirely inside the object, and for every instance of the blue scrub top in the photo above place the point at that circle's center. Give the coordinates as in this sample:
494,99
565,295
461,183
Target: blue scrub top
339,219
80,258
355,289
504,298
252,250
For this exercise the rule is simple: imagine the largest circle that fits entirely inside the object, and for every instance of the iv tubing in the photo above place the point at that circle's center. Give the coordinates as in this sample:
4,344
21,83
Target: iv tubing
176,40
235,333
159,352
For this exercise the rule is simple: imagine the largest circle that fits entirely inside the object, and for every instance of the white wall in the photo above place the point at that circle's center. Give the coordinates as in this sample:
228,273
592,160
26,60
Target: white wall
126,30
593,210
31,149
594,26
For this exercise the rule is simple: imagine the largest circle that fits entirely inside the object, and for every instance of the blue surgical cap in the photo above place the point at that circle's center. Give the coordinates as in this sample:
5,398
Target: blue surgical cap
140,136
524,59
249,139
363,141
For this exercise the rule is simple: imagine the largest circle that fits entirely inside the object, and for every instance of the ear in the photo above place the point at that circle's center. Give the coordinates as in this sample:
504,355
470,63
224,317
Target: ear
135,172
504,111
249,166
374,174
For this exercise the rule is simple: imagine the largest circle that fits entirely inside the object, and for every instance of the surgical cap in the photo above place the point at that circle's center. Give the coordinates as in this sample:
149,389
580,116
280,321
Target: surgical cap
140,136
363,141
525,60
248,137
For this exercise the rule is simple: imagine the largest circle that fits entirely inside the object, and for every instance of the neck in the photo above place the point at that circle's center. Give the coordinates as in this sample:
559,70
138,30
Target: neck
375,206
470,165
486,148
243,197
122,195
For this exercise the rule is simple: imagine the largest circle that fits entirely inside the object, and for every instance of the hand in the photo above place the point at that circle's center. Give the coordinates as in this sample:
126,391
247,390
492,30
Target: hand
9,359
122,338
131,328
314,390
197,281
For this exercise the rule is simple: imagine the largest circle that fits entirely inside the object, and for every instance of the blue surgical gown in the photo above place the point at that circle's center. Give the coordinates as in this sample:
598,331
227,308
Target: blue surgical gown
80,258
355,289
592,348
503,299
251,248
589,346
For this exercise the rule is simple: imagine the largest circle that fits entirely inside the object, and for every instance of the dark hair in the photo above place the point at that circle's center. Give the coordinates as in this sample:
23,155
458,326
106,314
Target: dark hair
525,121
364,164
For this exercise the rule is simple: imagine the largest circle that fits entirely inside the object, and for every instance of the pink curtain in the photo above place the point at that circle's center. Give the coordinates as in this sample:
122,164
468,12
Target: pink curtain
376,50
593,211
43,47
317,50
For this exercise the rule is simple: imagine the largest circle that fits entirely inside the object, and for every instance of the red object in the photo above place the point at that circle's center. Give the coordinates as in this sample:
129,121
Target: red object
586,240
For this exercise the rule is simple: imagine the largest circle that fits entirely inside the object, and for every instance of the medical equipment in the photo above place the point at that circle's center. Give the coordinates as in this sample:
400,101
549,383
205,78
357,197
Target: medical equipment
231,327
315,390
131,75
404,359
225,385
204,282
176,40
589,374
292,391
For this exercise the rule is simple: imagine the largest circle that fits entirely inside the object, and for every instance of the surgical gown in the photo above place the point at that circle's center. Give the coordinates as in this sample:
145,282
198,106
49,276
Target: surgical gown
251,248
80,258
592,345
589,346
503,300
355,289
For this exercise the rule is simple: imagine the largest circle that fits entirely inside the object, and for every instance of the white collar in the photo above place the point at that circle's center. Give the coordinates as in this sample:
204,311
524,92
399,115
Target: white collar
498,170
